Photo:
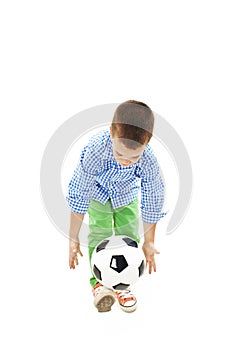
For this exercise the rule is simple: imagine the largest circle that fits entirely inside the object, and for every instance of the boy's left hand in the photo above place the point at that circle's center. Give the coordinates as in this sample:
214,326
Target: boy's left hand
149,252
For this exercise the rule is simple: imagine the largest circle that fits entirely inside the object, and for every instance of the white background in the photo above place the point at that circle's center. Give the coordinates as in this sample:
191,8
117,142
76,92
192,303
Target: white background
61,57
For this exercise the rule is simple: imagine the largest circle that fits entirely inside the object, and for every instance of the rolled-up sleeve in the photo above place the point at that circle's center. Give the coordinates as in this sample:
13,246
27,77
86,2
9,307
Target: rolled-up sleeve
80,188
152,192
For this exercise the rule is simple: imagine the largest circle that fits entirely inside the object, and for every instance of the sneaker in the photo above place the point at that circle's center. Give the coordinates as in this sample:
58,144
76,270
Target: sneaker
104,298
126,300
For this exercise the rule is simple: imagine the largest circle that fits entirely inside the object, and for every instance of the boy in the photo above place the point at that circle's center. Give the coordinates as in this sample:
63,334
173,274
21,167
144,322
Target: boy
113,167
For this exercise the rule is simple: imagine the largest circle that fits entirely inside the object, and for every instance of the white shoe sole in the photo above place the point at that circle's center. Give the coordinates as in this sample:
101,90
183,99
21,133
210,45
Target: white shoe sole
104,301
128,308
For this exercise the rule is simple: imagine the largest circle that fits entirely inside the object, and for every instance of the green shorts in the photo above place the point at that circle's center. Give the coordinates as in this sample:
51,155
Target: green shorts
105,221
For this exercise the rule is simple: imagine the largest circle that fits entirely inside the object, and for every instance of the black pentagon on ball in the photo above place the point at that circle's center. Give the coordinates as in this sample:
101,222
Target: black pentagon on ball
121,286
97,273
130,242
102,245
141,268
118,263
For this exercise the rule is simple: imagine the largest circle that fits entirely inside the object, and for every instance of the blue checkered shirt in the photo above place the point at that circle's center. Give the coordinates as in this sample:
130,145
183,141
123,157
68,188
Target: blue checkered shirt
100,177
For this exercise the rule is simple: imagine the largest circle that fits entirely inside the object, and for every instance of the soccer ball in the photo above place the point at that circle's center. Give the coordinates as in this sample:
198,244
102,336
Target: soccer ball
117,262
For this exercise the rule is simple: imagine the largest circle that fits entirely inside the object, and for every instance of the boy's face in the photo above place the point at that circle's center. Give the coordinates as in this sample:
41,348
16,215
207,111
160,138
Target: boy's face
123,155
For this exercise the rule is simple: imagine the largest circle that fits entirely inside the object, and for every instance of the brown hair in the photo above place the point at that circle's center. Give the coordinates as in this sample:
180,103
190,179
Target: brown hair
133,121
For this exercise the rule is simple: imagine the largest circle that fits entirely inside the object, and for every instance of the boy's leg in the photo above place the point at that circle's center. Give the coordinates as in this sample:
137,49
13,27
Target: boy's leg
100,226
126,220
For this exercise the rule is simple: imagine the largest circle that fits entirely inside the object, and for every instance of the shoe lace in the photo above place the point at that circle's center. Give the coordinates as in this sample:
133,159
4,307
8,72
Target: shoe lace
97,289
124,294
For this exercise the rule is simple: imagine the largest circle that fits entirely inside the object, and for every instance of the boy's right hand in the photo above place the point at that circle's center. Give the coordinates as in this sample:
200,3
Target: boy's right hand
73,254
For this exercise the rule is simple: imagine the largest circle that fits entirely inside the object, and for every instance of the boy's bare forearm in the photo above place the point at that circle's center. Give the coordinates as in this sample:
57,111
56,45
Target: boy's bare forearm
75,225
149,232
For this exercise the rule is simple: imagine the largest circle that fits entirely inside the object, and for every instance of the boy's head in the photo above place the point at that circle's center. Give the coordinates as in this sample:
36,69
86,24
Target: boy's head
131,130
133,121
